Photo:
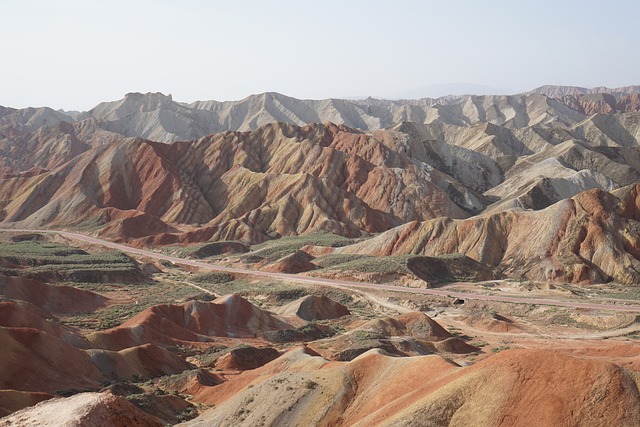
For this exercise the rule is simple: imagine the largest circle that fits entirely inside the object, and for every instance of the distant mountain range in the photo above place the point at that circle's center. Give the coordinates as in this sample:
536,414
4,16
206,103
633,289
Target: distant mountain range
471,174
158,117
560,91
450,89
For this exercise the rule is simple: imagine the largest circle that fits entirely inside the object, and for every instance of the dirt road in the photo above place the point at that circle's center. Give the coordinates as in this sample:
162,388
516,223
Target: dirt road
336,283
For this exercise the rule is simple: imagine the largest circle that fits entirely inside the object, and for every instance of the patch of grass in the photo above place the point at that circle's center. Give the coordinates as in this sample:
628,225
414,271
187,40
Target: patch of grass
332,260
210,355
281,292
34,253
367,264
144,295
630,293
212,277
283,296
273,250
566,319
479,344
167,380
200,250
71,263
365,338
166,263
337,295
188,414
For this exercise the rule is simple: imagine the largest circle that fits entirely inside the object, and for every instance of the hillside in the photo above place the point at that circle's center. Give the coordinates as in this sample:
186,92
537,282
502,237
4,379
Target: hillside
465,160
376,389
158,117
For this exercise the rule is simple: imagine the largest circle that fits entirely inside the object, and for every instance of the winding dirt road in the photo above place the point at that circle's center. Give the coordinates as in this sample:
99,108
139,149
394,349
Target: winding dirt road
332,282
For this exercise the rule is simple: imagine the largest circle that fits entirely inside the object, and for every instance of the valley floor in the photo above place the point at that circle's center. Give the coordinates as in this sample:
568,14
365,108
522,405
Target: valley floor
168,348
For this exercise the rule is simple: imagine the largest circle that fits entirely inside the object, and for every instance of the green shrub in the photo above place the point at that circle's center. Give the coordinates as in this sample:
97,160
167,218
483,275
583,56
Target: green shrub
213,277
67,262
276,249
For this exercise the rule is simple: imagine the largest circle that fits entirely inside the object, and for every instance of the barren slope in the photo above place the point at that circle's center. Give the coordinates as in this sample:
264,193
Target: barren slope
590,237
374,389
195,321
85,409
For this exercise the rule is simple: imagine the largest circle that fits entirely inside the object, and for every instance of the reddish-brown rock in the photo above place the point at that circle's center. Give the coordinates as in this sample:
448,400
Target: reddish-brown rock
194,321
588,238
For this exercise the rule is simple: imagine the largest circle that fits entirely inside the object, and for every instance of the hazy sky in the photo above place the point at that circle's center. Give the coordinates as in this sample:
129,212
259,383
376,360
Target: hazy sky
73,54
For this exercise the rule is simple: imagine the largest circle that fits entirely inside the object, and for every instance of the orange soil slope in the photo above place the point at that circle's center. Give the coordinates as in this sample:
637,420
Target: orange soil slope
51,298
194,321
515,387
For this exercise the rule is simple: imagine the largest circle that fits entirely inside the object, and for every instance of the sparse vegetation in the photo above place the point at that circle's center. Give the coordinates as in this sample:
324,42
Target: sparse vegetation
567,320
188,414
210,355
205,250
250,289
43,259
143,295
366,264
449,268
365,338
309,332
212,278
167,264
331,260
479,344
283,296
35,253
273,250
628,293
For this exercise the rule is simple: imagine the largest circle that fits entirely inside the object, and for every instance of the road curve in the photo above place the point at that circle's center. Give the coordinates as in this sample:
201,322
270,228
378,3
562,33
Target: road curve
332,282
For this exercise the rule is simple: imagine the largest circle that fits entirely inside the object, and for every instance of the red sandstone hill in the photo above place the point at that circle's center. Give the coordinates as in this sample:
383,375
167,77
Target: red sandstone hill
290,180
312,307
145,361
51,298
21,314
34,360
194,321
590,237
410,334
511,388
278,179
246,358
296,262
40,354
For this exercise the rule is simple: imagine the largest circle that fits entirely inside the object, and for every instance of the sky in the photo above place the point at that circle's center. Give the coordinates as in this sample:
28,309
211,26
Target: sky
73,54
